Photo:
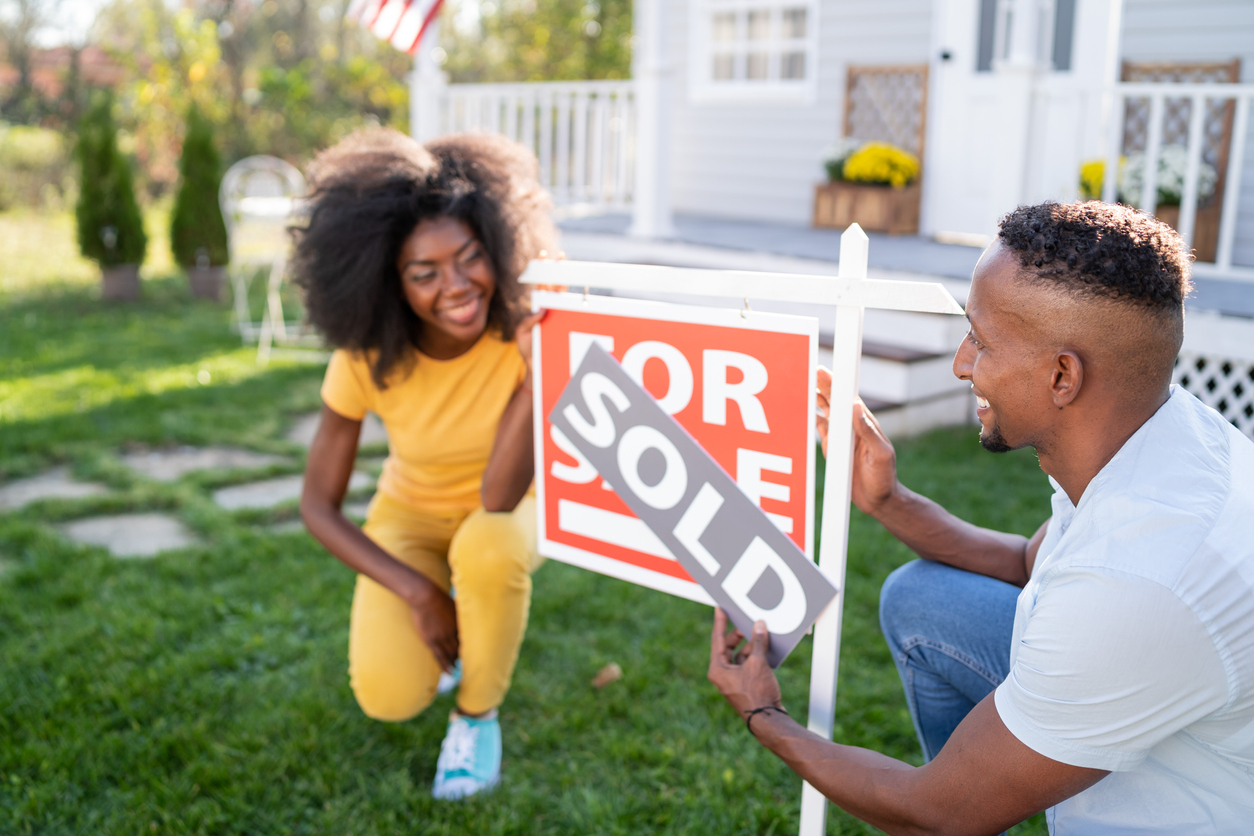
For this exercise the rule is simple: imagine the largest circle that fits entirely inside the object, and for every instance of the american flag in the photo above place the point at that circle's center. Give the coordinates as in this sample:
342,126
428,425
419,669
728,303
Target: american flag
401,23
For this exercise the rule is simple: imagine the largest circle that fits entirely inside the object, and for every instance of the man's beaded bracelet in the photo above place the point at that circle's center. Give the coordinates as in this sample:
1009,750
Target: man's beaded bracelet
750,712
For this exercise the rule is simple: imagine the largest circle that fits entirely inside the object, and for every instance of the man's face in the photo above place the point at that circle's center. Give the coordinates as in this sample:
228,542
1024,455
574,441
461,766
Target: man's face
1002,356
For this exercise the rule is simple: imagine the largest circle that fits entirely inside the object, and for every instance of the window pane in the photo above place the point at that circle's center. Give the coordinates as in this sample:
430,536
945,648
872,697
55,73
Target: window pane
794,23
724,68
756,64
792,65
725,27
759,25
985,36
1064,33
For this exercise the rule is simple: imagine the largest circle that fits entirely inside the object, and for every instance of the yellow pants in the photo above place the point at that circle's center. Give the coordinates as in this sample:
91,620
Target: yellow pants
488,558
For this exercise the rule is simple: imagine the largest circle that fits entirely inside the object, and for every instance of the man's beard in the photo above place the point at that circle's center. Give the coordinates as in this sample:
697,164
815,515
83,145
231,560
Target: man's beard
994,441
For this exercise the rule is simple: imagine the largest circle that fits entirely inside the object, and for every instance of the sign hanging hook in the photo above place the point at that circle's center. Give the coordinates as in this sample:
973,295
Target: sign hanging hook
744,312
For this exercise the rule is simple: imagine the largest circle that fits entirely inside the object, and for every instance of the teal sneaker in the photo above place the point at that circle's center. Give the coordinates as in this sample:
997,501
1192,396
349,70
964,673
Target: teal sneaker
470,757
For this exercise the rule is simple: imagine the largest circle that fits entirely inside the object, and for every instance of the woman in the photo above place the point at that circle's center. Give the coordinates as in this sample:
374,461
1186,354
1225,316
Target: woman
410,265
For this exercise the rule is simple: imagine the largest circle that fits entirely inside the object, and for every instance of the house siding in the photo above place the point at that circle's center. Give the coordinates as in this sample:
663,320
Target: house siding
761,160
1201,30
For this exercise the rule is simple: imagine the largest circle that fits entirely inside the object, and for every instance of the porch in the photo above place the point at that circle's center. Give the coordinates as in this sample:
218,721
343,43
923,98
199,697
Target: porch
906,374
604,153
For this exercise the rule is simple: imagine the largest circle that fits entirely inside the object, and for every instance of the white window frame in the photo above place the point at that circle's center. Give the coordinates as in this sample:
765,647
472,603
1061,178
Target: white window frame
703,89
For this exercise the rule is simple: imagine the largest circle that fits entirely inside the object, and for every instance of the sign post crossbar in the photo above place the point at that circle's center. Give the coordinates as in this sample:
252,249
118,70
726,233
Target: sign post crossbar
851,293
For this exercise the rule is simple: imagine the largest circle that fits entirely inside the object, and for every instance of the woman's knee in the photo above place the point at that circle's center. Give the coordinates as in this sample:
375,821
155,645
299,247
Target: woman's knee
490,548
382,695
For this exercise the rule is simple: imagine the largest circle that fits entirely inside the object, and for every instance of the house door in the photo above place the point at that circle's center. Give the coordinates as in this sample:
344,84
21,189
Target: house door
964,128
1015,105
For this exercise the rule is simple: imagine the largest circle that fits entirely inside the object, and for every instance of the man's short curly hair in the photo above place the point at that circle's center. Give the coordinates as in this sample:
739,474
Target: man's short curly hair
1103,250
369,192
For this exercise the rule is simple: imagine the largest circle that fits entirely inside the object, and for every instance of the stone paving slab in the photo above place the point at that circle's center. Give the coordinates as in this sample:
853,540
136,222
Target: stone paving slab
130,535
286,527
271,492
303,431
54,484
169,465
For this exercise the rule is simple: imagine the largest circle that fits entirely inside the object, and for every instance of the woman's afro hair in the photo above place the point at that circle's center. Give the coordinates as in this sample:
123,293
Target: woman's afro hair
369,192
1099,249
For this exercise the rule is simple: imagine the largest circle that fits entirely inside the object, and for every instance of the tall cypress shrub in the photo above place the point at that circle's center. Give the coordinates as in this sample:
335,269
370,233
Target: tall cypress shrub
196,227
110,226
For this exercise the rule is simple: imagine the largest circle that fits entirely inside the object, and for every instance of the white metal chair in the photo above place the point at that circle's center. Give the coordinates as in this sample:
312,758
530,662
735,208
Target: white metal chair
259,197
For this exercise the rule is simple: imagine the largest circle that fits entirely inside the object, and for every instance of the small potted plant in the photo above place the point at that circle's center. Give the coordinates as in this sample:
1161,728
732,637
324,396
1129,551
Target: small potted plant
110,226
198,235
873,184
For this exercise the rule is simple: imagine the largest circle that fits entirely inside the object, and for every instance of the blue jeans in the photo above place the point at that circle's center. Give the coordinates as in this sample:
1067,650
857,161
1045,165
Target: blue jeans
949,632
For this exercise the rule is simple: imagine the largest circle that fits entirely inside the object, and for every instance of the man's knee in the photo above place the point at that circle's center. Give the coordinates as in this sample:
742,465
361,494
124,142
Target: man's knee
906,593
490,548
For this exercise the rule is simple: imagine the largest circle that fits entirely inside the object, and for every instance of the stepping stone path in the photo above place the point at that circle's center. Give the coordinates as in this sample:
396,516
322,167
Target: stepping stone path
130,535
352,510
54,484
372,432
271,492
169,465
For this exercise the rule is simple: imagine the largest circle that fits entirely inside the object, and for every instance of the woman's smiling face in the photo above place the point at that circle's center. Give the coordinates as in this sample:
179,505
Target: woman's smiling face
447,279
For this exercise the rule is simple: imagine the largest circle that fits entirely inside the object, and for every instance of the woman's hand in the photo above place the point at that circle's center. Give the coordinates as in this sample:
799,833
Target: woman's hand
743,677
522,336
435,618
874,459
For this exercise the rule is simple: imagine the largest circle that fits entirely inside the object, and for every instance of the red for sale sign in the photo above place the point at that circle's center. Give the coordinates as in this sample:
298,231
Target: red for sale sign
739,382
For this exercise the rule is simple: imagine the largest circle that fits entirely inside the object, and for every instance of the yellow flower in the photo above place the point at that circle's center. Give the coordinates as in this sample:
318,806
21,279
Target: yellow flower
879,162
1092,175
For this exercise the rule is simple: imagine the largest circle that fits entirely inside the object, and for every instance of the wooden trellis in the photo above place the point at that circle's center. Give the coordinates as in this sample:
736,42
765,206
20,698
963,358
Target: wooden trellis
887,104
1177,112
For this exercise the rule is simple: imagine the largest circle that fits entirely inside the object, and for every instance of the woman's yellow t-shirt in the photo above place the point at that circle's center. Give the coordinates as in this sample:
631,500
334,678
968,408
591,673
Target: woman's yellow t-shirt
441,418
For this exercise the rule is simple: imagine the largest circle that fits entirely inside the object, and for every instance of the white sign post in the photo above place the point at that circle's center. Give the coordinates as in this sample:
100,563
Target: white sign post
851,293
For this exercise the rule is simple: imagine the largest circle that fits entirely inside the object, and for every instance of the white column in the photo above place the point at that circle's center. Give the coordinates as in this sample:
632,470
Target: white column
651,198
426,88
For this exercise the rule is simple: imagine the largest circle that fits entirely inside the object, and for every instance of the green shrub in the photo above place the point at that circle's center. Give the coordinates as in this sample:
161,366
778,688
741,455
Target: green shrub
196,226
110,227
34,167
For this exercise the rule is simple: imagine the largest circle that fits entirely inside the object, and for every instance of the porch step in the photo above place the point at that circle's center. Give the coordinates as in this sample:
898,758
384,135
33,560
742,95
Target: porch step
909,390
908,419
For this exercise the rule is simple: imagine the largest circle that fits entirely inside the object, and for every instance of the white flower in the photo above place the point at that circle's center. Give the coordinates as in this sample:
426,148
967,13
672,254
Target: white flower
1172,162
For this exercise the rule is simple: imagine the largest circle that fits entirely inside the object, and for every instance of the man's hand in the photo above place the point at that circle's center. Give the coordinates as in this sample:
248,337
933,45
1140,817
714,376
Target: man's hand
435,618
743,676
874,460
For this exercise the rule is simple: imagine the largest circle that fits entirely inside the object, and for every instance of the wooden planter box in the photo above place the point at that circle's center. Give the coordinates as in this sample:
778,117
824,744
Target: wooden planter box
874,208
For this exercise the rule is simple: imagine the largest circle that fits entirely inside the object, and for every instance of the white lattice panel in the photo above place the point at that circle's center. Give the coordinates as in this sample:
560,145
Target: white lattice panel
1227,385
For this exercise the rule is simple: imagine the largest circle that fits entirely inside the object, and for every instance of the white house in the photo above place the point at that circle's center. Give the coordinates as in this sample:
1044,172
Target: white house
734,102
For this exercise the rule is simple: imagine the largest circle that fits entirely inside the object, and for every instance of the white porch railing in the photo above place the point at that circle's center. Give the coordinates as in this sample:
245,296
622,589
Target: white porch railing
1201,97
583,132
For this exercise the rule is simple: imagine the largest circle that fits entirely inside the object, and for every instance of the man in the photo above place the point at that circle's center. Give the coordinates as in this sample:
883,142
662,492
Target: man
1116,688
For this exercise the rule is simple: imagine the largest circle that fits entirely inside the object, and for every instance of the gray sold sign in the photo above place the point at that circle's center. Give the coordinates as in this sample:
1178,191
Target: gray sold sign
748,566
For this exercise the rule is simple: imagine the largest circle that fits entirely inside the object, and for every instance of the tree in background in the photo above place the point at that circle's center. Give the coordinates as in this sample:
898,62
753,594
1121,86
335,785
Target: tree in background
197,231
279,77
110,228
537,40
19,19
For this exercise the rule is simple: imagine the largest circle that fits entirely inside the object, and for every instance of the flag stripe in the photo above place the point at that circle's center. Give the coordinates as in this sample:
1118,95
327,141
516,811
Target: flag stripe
435,9
402,23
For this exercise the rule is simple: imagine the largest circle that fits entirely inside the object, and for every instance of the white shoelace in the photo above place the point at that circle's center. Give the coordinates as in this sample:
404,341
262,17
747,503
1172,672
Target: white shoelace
462,742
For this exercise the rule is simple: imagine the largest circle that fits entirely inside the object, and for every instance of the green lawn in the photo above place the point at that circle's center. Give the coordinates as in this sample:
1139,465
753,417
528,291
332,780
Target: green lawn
205,691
